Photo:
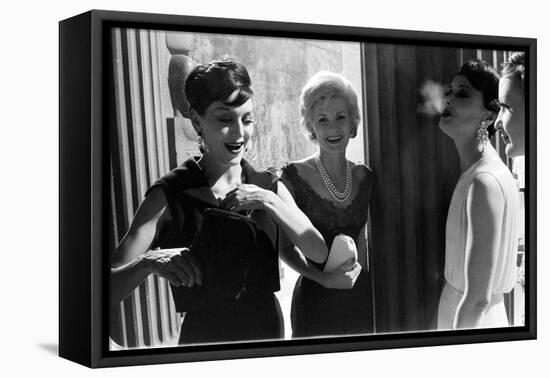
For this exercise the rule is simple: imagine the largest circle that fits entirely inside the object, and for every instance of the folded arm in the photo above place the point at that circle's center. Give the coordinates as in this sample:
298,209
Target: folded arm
343,277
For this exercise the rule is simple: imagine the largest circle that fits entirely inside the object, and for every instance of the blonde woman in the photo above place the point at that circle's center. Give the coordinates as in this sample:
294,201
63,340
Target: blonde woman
334,193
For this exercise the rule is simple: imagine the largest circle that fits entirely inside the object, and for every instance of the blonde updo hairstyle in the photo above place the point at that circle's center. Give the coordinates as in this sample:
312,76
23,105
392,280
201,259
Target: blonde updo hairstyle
324,86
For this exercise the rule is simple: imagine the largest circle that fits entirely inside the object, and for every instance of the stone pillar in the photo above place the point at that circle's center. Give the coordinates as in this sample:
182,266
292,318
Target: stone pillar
182,137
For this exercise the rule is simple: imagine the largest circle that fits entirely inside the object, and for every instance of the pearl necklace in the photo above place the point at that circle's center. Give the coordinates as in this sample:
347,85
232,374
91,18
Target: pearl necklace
338,196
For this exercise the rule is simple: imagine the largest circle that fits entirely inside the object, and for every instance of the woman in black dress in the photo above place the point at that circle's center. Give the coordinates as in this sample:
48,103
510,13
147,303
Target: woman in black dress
334,193
169,217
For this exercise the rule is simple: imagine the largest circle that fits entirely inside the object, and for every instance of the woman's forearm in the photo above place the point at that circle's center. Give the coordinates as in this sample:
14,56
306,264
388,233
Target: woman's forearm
126,278
132,260
296,261
298,228
343,278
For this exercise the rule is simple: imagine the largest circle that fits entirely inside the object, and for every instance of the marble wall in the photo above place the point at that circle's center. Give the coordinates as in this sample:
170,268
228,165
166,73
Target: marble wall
278,67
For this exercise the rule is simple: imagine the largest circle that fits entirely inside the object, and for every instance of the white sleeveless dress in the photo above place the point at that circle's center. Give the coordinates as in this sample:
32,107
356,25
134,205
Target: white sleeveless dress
458,236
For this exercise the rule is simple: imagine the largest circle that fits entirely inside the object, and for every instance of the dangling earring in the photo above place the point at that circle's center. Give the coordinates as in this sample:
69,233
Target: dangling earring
203,148
482,135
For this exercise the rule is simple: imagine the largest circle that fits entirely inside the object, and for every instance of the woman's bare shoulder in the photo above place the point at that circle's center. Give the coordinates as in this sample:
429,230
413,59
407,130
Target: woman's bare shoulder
361,171
306,167
153,208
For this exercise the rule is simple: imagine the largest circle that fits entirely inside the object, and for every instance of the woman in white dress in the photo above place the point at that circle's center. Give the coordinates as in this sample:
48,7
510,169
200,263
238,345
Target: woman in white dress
481,230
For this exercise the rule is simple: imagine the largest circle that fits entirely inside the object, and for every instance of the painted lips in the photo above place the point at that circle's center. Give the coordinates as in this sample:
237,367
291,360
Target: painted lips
505,137
446,113
234,148
334,139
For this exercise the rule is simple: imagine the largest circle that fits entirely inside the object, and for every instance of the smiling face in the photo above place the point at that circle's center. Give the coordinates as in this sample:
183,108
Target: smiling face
332,124
226,130
463,109
511,118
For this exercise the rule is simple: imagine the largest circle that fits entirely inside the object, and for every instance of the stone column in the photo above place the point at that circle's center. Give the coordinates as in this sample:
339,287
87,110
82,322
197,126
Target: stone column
182,138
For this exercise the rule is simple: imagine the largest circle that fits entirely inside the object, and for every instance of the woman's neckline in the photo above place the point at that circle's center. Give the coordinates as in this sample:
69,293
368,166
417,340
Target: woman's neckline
205,184
477,163
328,200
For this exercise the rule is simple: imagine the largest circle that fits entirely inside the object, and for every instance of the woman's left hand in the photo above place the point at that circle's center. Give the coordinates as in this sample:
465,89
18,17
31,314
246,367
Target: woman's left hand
247,197
343,277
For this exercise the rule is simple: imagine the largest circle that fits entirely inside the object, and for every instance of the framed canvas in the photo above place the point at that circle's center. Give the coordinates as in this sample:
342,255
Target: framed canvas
126,122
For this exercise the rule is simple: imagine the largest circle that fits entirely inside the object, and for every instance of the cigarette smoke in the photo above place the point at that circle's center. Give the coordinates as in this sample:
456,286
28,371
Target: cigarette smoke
433,96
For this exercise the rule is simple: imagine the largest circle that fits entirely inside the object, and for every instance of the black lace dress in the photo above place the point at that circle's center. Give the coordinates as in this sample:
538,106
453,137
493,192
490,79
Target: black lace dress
316,310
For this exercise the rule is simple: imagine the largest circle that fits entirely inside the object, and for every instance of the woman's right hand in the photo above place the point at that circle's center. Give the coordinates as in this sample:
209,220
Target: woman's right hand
177,265
343,277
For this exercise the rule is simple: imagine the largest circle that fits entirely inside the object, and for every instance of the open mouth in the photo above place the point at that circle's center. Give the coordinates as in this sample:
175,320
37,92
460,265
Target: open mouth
334,139
234,148
505,137
446,113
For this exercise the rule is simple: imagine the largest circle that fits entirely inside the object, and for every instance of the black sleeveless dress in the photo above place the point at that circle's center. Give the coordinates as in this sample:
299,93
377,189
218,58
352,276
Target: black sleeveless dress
254,315
316,310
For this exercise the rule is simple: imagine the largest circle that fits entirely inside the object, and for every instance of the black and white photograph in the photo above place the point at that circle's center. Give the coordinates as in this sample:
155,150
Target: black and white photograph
268,188
275,189
263,188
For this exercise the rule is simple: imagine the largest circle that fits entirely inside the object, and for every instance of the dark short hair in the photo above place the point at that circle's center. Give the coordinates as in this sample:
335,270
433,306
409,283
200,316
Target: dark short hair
216,81
515,67
483,78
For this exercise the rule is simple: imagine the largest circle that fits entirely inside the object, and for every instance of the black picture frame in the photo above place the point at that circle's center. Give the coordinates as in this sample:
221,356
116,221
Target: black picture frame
83,267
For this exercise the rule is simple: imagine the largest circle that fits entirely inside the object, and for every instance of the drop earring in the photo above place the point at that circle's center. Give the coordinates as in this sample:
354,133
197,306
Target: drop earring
482,135
203,148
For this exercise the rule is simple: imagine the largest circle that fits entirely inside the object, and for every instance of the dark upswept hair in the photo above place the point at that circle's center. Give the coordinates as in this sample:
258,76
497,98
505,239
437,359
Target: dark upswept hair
515,67
483,78
216,81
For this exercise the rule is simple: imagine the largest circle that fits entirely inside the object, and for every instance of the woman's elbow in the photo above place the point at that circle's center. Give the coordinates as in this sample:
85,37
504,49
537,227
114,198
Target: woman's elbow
482,305
311,244
318,251
478,304
315,258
